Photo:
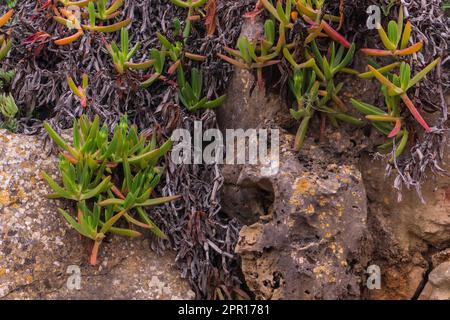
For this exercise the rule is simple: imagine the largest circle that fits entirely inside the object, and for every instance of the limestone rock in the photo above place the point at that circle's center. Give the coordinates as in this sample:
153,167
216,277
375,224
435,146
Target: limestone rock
308,243
404,231
41,256
438,285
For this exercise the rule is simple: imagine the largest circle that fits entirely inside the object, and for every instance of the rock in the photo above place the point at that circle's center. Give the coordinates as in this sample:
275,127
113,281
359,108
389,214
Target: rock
410,218
399,282
440,257
40,254
247,105
308,242
305,224
438,285
406,234
404,231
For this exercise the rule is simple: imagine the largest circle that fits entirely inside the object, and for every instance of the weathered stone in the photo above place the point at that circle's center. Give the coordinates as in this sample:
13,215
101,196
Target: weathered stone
398,282
307,244
438,285
440,257
404,231
305,223
37,247
247,105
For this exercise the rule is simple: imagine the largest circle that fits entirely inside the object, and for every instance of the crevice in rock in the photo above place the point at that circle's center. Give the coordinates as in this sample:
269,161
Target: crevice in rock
433,261
424,281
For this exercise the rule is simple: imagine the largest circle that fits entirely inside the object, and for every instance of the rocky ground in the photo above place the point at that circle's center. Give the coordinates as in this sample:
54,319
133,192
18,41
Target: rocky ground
40,256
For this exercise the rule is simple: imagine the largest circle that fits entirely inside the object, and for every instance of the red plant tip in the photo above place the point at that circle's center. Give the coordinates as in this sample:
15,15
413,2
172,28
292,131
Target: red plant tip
396,130
259,7
333,34
70,158
174,67
194,18
410,105
94,253
376,52
253,14
84,102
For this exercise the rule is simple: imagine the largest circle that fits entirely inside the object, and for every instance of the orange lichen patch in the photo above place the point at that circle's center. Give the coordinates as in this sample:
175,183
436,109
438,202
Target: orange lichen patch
324,271
301,186
309,210
345,180
29,278
323,202
4,138
339,210
2,271
4,198
21,194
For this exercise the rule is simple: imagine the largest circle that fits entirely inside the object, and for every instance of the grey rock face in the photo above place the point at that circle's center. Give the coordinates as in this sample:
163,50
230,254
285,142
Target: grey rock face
300,248
41,257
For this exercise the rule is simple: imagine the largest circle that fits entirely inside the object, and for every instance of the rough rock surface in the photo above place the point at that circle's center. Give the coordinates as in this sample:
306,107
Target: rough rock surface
438,285
307,243
40,254
410,237
315,226
305,223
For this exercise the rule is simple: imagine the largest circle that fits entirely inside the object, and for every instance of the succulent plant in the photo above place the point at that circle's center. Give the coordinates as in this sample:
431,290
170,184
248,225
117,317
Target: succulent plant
175,52
80,91
402,83
306,88
4,19
395,40
5,40
282,14
122,56
8,111
255,55
6,77
80,3
191,93
109,179
106,13
66,17
193,7
5,46
382,120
